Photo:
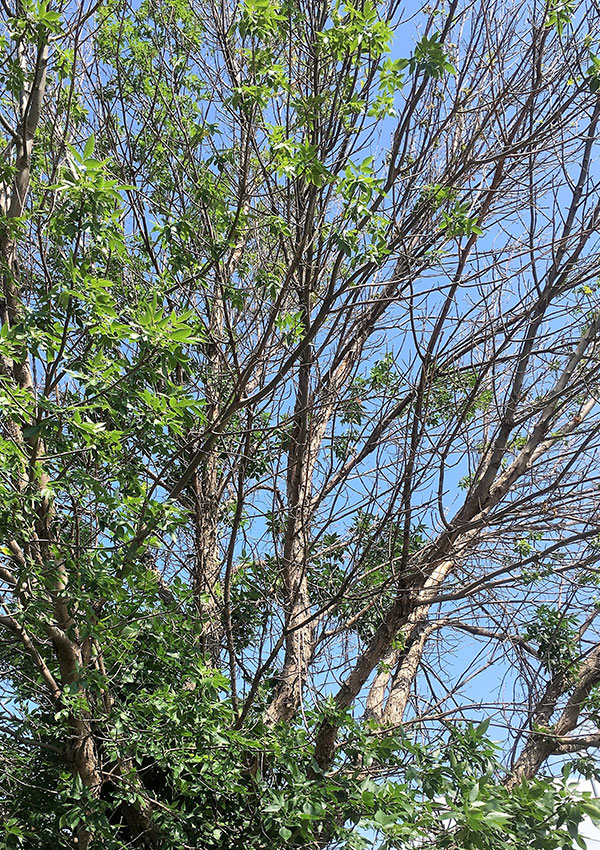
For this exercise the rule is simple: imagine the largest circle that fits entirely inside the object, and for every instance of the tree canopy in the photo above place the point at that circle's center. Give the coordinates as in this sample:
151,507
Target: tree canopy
299,423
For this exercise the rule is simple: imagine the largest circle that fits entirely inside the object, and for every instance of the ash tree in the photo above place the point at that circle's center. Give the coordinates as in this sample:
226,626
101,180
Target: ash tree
299,424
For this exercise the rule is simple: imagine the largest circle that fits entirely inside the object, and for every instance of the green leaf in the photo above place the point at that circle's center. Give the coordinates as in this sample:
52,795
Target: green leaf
89,147
33,430
591,807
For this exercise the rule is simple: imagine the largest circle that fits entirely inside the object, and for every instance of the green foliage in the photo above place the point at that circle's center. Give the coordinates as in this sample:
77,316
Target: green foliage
430,58
222,787
356,30
457,221
560,14
593,74
556,636
379,547
457,394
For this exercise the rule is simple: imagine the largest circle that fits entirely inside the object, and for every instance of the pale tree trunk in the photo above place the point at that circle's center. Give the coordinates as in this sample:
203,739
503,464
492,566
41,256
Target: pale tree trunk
206,574
299,637
375,702
406,670
207,566
82,757
390,690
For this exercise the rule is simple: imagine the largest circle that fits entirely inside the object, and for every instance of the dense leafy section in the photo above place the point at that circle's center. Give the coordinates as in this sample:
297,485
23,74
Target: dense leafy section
218,785
299,434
